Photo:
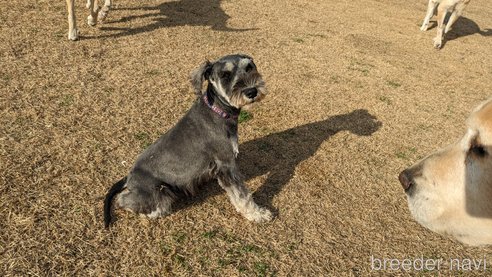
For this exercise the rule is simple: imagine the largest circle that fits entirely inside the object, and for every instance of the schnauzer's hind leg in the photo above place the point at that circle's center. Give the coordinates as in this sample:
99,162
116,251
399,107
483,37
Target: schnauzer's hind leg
241,198
148,197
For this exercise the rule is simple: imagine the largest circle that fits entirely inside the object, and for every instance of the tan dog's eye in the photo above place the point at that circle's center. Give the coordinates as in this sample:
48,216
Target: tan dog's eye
478,150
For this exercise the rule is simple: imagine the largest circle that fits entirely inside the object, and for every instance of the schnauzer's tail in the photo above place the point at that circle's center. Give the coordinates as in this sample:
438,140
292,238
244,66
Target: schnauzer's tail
115,189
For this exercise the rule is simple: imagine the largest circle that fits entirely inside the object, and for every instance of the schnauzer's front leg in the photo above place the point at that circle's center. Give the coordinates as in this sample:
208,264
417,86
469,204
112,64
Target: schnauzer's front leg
241,198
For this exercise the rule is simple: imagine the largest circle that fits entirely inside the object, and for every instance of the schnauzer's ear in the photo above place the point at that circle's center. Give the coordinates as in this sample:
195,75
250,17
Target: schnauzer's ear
199,75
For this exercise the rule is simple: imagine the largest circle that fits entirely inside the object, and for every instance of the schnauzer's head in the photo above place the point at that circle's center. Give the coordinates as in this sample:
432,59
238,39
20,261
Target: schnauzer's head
234,78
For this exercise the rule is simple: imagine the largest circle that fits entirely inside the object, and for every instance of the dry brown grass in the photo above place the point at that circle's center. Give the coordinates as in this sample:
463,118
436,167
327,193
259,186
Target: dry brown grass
74,116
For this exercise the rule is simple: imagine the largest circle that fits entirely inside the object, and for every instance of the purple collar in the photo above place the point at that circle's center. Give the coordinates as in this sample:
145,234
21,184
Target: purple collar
218,110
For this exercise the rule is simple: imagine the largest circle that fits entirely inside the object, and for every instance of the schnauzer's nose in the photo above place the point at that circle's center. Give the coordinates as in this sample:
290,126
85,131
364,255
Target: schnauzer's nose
406,179
251,92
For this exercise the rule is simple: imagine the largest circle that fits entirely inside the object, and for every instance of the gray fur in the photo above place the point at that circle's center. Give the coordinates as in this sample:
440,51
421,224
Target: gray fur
199,75
199,148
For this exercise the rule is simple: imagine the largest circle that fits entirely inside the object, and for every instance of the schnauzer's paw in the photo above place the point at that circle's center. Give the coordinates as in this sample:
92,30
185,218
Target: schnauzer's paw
259,215
424,27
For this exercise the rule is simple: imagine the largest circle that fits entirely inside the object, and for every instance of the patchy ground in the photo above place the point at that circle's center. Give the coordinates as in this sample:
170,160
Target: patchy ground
356,94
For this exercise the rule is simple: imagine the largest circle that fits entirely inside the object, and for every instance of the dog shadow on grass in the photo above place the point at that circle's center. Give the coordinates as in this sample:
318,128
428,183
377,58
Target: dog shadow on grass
465,27
278,154
172,14
461,28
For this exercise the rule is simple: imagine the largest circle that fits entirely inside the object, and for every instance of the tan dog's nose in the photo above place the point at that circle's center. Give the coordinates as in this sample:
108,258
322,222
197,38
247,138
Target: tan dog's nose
405,178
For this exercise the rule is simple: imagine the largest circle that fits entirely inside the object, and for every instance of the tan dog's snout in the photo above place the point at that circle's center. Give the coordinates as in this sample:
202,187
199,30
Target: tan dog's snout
449,191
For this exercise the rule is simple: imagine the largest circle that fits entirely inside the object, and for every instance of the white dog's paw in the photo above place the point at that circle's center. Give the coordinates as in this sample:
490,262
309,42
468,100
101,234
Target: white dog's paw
73,35
437,43
424,27
91,21
259,215
102,15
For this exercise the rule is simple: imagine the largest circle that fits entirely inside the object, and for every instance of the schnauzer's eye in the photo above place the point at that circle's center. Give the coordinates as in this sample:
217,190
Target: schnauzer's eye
478,150
225,75
249,67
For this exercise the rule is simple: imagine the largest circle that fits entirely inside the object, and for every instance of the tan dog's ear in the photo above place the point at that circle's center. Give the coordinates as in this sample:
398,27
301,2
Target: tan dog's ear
199,75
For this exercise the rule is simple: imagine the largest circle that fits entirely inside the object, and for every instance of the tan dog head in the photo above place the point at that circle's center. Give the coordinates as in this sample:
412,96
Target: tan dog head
450,191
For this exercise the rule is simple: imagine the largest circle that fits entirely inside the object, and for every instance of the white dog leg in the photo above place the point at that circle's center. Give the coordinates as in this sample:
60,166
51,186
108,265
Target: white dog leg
431,7
73,33
103,13
441,15
93,8
454,16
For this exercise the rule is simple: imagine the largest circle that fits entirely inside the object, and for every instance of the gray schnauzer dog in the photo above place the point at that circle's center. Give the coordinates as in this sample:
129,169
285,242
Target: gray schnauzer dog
201,147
